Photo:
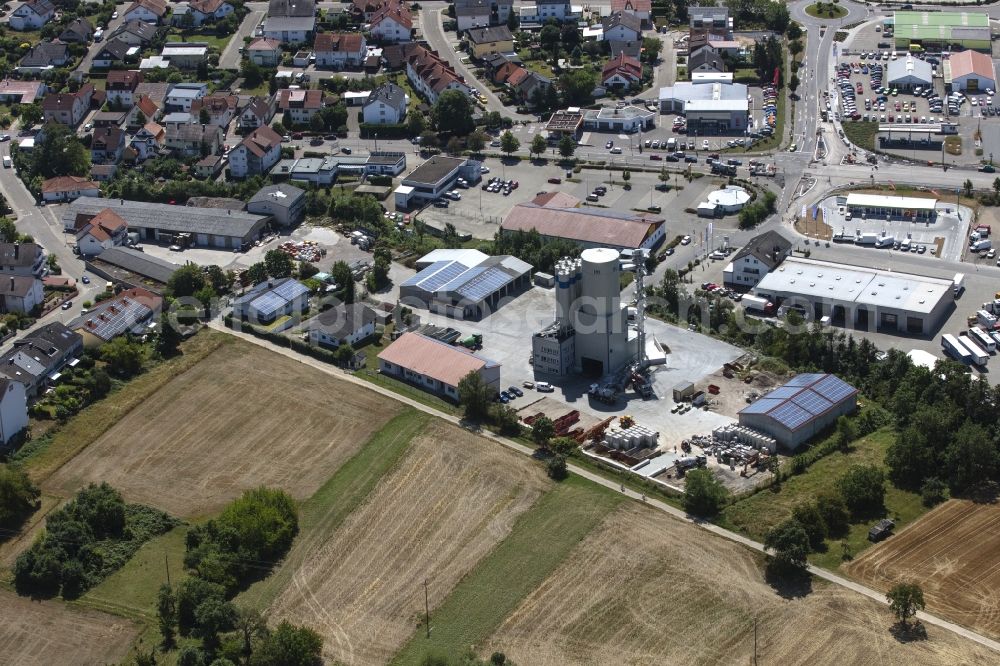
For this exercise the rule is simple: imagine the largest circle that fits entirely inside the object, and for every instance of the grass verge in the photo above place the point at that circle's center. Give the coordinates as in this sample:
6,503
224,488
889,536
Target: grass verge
540,541
756,514
861,134
826,10
323,513
71,438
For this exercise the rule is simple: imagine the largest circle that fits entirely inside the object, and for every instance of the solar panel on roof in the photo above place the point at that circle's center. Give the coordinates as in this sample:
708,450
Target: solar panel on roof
485,284
762,406
462,279
804,379
812,402
430,270
833,388
443,276
783,392
790,415
268,304
290,290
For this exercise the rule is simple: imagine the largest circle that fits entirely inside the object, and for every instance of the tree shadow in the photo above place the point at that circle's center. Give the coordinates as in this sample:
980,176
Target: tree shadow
788,582
985,493
908,633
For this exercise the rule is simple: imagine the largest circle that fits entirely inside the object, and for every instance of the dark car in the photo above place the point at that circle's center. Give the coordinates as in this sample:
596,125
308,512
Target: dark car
655,157
691,159
609,145
672,158
987,168
316,141
516,391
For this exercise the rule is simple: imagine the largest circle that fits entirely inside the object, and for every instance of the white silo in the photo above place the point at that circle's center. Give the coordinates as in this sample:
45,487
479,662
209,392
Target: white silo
600,319
568,288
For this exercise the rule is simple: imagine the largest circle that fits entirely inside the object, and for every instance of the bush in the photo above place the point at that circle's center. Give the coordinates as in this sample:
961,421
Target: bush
704,495
557,467
933,492
18,497
863,489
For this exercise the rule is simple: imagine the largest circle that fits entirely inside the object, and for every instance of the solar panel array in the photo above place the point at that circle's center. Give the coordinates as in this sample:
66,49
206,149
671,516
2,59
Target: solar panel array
276,299
422,275
802,399
116,319
484,284
447,273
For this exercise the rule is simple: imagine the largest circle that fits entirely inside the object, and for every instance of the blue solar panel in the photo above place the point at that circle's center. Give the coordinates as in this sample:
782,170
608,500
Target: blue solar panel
783,392
484,284
833,388
762,406
290,290
812,402
457,282
443,276
430,270
805,379
790,415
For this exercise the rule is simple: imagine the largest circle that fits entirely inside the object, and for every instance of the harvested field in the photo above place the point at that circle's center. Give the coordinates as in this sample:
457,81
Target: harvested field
241,418
451,499
647,589
49,632
952,553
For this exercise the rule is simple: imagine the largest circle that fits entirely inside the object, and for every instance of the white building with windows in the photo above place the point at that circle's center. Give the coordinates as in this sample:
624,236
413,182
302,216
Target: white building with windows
758,257
386,105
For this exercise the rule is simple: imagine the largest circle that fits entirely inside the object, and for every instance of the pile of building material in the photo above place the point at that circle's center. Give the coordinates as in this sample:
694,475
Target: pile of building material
303,251
634,436
744,435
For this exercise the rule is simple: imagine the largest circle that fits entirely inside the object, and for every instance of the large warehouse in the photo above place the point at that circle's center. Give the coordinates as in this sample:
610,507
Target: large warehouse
556,215
465,284
879,206
942,30
801,408
863,298
908,73
710,107
970,71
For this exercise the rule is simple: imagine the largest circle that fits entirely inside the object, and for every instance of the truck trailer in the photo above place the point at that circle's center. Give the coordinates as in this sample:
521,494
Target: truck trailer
979,356
757,304
983,339
958,284
955,349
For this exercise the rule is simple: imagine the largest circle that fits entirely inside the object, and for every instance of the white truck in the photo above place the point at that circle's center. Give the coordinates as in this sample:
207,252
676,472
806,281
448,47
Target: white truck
866,239
958,284
954,348
979,355
980,245
757,304
986,319
885,241
983,339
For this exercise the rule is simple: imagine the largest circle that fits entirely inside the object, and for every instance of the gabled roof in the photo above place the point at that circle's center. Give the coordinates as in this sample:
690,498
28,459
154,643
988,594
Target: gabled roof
147,106
68,184
123,79
300,99
45,54
770,248
389,94
968,62
630,21
516,77
17,285
395,10
259,107
431,68
555,215
19,254
116,316
272,295
291,8
264,44
39,7
432,358
139,263
146,32
103,226
215,104
341,321
80,27
109,137
338,42
158,7
802,399
206,6
496,33
115,49
624,65
261,140
631,5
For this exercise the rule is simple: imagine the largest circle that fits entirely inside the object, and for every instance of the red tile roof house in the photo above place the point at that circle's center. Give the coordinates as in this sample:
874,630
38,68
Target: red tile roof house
68,188
256,154
641,9
121,85
434,366
300,105
67,108
430,74
340,50
221,109
621,72
105,230
148,11
392,23
264,51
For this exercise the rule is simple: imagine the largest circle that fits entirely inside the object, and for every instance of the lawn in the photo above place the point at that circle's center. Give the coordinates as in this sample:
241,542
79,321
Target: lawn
826,10
861,134
213,40
541,539
756,514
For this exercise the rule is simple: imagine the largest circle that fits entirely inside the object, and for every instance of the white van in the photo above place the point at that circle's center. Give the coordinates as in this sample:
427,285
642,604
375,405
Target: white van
6,161
544,387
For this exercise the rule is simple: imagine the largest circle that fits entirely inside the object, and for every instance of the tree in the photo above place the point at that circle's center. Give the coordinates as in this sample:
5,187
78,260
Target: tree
185,281
971,458
190,595
8,232
539,144
967,187
704,494
279,264
166,613
251,627
567,146
933,491
795,47
415,124
505,419
341,274
212,617
789,544
846,433
793,82
549,38
453,113
203,116
289,645
556,467
626,176
18,497
474,395
476,141
905,599
60,153
513,22
834,512
578,87
123,356
996,186
257,272
509,143
542,430
863,490
455,145
811,520
316,123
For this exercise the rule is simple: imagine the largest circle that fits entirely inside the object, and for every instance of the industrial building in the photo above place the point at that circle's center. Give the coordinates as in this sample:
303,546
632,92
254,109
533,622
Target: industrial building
626,120
711,106
865,298
435,366
465,284
942,30
801,408
590,334
556,215
908,72
877,206
433,178
970,71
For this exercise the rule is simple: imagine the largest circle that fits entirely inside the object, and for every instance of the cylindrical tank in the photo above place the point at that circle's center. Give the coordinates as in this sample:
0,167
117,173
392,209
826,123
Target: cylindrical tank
567,287
600,269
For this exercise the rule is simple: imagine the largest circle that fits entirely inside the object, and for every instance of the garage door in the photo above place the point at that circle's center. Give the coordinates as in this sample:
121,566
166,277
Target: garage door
914,325
221,241
886,320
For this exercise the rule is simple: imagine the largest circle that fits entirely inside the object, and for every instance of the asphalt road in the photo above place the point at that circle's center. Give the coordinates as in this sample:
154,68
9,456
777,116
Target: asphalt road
108,29
231,57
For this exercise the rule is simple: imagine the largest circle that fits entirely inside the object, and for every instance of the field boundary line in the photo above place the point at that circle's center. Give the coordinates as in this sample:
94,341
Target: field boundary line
657,504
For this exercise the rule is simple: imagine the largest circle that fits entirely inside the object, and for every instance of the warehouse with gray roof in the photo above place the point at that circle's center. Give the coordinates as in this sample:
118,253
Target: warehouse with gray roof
208,227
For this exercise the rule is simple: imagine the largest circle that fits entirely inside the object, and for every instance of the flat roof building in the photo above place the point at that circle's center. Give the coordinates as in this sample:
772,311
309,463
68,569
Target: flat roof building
433,178
801,408
710,106
863,298
881,206
970,30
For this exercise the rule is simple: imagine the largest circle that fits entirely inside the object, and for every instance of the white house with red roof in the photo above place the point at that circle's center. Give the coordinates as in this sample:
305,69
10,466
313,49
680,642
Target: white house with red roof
340,50
621,72
256,154
105,230
392,23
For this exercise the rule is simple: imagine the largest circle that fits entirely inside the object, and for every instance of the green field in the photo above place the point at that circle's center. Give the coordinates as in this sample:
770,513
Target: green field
758,513
540,541
322,514
861,134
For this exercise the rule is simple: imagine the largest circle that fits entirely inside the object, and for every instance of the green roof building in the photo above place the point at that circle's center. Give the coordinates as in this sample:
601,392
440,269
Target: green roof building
942,30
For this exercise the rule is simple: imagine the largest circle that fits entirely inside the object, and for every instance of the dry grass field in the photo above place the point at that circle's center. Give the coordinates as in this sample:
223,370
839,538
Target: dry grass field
450,500
954,553
44,633
647,589
240,418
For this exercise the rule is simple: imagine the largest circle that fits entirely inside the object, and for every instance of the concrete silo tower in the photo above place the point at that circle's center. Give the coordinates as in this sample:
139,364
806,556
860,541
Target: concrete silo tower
603,343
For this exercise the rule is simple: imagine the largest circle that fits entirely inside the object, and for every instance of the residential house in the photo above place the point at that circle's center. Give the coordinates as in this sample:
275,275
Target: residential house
264,51
300,105
21,92
285,203
145,110
13,410
148,11
545,10
706,59
68,108
622,27
185,55
527,86
271,299
345,324
78,31
209,11
713,19
481,13
632,49
174,120
20,294
641,9
621,72
120,87
431,75
392,23
362,11
220,109
208,167
258,112
756,259
291,8
39,355
182,95
487,41
114,52
386,105
340,50
435,366
43,57
256,154
106,145
289,29
32,15
135,33
108,118
147,142
67,188
105,230
194,139
103,173
132,311
22,259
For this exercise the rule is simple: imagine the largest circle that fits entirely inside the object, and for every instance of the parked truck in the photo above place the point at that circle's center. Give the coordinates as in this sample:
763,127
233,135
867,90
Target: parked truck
605,394
955,349
474,341
979,355
866,239
690,462
757,304
986,320
983,339
958,284
980,245
886,241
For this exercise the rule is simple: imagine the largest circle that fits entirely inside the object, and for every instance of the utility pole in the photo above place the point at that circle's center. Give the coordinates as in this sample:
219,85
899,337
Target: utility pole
755,641
166,564
427,611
